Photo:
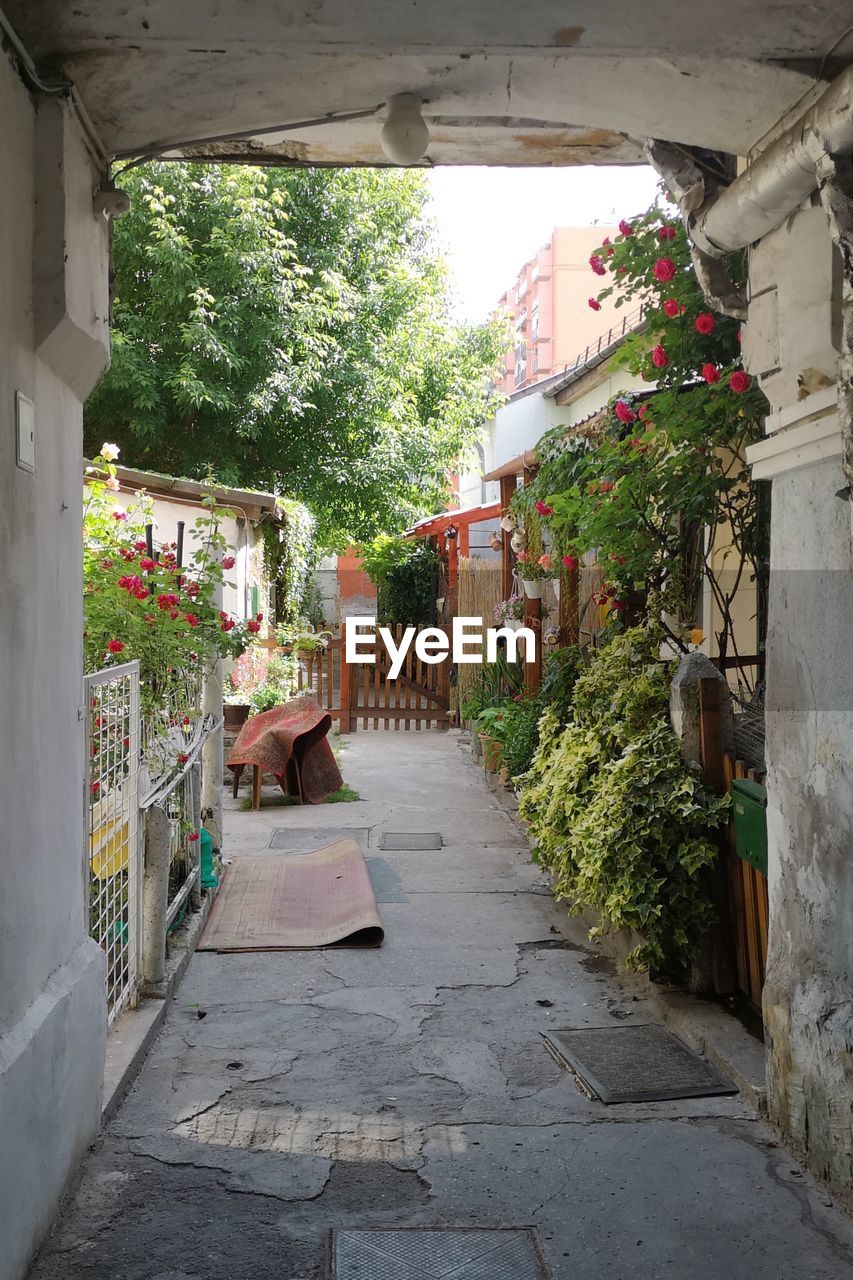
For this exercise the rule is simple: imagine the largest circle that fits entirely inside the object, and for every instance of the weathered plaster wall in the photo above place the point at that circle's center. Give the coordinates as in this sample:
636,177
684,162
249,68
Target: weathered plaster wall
52,335
808,1001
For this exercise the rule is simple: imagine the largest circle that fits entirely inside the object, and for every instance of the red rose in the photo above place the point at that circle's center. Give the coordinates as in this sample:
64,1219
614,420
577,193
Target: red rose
192,589
571,562
595,304
254,627
106,564
228,562
260,617
710,373
666,233
740,381
543,508
626,228
671,307
115,646
618,606
141,545
664,270
182,757
228,624
597,265
191,619
705,323
193,836
659,357
173,614
624,412
146,564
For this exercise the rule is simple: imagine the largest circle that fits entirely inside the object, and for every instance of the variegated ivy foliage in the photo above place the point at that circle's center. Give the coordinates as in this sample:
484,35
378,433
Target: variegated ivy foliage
618,818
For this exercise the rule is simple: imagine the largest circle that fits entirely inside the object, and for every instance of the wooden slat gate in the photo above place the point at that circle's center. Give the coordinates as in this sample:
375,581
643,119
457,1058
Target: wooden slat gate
418,698
740,891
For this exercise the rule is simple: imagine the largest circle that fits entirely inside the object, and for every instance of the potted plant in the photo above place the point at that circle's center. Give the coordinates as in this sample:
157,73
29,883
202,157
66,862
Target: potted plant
509,611
280,685
532,573
489,722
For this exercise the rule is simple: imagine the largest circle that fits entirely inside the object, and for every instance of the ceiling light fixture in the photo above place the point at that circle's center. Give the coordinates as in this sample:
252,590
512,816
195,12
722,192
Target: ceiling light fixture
405,136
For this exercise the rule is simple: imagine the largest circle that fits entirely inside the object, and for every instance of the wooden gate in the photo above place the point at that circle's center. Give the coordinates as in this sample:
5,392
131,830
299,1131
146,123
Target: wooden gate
417,698
740,891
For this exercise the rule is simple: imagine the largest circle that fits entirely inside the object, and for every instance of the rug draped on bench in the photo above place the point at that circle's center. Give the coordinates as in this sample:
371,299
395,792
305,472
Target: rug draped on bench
295,732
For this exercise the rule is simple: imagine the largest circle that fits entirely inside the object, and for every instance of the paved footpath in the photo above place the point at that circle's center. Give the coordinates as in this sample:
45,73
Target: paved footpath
409,1086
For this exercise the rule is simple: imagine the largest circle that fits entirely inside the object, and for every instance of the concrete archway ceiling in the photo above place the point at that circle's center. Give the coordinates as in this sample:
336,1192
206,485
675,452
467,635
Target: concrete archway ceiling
546,82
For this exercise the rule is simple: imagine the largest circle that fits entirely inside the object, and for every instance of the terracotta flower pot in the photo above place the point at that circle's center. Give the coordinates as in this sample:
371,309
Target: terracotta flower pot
492,753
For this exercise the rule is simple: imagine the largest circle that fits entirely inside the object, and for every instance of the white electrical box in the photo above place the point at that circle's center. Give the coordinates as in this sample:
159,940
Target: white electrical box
25,421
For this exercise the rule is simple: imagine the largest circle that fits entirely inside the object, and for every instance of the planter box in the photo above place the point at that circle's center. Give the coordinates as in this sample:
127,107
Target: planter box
492,753
236,714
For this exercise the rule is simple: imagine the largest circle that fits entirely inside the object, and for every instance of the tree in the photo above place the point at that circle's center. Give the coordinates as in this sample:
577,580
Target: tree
290,330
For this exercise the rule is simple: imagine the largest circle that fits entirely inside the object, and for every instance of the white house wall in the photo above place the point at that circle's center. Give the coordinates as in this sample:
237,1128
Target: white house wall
53,309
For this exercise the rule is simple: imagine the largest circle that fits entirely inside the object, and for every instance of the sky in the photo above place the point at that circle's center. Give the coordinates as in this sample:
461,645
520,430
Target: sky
491,221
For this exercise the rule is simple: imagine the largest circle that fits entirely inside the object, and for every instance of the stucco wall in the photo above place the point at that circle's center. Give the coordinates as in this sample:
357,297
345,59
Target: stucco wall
52,334
791,337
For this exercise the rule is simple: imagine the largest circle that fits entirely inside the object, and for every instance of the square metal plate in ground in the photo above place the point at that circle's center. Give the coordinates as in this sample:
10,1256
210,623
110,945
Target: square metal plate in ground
639,1063
307,839
435,1254
410,841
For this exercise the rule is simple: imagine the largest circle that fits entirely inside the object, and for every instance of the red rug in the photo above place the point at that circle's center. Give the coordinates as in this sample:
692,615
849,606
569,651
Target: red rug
295,732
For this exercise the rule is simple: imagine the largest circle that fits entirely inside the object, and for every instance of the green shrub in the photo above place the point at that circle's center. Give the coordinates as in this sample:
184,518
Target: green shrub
405,574
618,818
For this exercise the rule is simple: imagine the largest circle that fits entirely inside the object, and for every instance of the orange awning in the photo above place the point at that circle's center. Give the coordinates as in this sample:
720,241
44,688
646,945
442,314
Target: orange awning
462,516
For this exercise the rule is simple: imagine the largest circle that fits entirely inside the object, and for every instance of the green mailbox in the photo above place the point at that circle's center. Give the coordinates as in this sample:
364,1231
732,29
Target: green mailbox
749,806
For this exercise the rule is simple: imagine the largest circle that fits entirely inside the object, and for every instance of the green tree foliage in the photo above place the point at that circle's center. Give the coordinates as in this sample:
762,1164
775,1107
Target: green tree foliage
289,328
404,573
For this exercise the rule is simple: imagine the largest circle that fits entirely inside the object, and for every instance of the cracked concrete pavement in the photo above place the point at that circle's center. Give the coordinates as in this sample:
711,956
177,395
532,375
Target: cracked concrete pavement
290,1093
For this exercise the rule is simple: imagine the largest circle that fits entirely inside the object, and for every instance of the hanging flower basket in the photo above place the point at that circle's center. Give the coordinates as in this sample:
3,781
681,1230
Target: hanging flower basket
532,587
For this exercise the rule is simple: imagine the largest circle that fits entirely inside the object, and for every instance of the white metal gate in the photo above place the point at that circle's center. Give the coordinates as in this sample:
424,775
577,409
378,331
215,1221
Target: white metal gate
113,851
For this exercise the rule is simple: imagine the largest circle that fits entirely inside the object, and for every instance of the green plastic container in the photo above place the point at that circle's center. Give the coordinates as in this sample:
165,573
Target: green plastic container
209,878
749,806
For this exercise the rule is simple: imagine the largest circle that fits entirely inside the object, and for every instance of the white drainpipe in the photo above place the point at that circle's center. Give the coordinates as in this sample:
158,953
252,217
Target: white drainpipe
780,178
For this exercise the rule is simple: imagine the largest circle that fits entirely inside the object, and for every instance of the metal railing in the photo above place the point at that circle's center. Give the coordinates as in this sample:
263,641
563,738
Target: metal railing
113,847
594,350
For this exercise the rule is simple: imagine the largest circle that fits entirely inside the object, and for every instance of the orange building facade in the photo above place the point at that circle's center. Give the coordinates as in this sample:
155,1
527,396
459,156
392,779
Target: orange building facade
549,303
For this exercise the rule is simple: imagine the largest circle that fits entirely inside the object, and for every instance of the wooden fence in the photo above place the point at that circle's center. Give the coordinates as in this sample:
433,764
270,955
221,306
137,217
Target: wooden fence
739,889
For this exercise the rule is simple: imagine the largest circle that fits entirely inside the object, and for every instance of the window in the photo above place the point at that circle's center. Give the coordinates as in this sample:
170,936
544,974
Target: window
534,360
534,322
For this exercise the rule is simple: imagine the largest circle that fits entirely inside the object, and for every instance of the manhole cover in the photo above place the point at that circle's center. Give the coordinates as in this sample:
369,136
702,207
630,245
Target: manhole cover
641,1063
387,885
435,1255
410,840
307,839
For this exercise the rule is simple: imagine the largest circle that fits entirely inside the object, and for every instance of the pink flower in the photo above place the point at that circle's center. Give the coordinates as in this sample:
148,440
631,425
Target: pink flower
671,307
710,373
522,557
705,323
597,265
112,484
228,562
594,303
545,562
667,233
740,381
626,228
543,508
119,515
664,270
571,562
659,357
115,646
624,412
643,411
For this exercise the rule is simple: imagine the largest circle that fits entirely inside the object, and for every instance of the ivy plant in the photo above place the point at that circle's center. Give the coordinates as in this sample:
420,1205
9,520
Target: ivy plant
618,818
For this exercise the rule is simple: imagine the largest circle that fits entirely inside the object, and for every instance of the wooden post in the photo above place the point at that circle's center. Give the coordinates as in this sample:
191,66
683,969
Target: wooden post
570,621
507,490
533,670
346,691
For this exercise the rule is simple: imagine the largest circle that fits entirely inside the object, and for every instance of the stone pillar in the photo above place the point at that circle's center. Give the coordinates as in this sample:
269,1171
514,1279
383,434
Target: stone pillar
792,344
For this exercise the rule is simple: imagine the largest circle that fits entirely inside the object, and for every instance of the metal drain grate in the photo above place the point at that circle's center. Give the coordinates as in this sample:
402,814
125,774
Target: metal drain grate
640,1063
307,839
438,1254
410,840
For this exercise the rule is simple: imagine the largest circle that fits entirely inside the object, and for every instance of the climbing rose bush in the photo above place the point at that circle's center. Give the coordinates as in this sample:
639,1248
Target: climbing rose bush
144,605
